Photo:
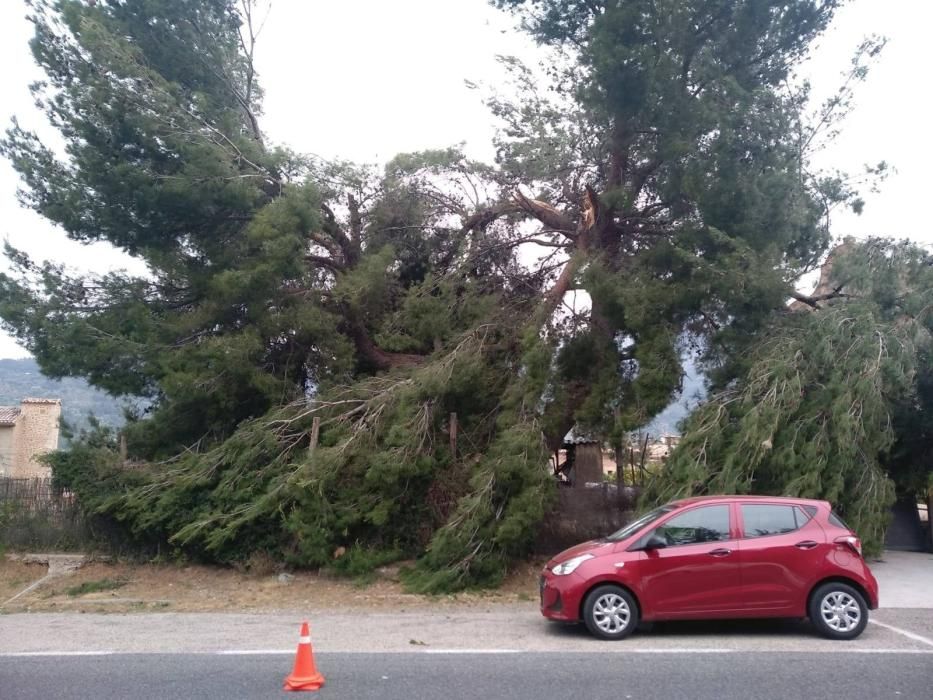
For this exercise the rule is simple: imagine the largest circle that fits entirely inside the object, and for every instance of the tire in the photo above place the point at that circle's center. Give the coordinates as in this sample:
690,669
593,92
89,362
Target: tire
838,611
610,612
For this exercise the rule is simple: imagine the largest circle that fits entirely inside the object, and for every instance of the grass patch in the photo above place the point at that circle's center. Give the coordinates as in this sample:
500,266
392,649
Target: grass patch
365,580
360,562
104,584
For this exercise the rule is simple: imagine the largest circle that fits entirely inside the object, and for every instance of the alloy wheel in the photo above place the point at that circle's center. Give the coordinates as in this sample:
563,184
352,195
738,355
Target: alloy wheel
840,611
611,613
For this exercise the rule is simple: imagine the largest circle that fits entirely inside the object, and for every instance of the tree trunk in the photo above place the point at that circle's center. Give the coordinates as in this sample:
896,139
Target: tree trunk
372,357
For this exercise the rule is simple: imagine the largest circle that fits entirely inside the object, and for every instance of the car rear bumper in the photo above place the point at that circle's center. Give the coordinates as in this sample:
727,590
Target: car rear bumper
871,587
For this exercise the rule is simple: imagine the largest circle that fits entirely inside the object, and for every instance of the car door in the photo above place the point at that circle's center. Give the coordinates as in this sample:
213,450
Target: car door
780,548
696,574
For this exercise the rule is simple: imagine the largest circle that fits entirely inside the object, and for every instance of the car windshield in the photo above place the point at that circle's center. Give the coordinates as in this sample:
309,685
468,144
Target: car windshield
637,525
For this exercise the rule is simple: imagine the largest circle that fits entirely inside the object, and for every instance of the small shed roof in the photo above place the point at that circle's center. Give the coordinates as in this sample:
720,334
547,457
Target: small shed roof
9,414
575,438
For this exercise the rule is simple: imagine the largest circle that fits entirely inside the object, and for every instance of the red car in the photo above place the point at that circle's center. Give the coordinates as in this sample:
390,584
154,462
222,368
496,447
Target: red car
716,557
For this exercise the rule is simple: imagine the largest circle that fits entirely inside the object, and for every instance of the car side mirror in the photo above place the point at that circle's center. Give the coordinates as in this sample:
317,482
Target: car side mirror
655,541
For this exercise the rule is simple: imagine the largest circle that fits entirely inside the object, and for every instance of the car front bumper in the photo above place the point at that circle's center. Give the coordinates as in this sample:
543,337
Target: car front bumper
560,596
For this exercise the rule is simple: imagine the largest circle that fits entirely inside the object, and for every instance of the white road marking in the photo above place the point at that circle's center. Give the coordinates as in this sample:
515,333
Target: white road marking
842,649
928,652
910,635
468,651
674,650
60,653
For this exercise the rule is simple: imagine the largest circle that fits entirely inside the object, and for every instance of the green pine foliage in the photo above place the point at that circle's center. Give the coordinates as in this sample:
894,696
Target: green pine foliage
832,404
661,167
382,478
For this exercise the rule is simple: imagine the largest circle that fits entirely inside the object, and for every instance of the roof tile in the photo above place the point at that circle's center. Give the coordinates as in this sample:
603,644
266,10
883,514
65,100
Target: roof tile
8,415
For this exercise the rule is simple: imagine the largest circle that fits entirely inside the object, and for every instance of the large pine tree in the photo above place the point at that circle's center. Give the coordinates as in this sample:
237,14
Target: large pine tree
663,171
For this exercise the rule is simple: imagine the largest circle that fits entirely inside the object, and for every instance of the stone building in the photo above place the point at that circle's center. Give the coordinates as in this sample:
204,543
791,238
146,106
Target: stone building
28,431
584,460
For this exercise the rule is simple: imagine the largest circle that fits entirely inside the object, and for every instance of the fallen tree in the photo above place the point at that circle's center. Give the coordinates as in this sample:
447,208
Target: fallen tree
663,175
833,401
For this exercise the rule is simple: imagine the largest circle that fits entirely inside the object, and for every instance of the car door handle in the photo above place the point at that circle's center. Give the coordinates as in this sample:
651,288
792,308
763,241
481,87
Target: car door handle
720,552
806,544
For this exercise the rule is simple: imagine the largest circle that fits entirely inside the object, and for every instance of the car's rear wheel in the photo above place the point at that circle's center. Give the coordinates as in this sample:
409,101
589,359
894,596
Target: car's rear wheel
838,611
610,612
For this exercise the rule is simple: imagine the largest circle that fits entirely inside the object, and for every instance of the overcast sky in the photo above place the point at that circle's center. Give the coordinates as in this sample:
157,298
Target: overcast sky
366,79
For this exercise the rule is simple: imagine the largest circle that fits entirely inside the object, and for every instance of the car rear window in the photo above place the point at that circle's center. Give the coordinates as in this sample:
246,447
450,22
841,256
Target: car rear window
803,514
763,520
834,519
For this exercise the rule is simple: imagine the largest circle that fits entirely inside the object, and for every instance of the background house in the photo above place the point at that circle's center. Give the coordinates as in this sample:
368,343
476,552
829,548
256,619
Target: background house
28,431
583,459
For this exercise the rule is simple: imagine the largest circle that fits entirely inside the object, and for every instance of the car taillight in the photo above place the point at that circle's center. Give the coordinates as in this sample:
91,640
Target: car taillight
853,542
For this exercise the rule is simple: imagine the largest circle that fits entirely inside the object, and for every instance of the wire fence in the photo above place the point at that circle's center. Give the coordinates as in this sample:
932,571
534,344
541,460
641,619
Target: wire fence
35,494
36,514
581,514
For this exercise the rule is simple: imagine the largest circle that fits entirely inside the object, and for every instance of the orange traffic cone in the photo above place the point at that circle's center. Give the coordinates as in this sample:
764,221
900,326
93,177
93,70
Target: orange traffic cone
304,675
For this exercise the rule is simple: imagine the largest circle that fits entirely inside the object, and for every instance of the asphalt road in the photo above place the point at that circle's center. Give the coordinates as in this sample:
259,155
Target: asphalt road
500,627
506,651
532,675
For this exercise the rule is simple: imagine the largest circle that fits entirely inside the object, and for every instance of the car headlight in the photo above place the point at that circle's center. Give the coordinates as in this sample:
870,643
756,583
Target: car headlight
569,566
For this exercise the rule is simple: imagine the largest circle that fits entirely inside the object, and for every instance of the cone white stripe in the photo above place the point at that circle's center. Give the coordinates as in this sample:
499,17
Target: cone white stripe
304,640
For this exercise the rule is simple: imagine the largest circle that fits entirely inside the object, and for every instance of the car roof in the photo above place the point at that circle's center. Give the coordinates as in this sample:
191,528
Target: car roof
733,498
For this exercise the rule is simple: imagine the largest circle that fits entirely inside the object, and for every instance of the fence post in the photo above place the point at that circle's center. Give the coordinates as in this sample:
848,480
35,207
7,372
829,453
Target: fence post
453,436
641,463
315,433
620,482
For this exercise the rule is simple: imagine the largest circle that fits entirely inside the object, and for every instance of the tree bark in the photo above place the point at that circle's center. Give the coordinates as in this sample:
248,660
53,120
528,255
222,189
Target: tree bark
371,356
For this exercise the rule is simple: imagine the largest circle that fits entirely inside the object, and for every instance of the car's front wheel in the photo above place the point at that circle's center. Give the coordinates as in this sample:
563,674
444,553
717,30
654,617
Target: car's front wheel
838,611
610,612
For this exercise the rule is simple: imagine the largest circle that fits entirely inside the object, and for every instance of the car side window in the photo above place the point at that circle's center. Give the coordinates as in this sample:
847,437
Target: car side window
763,520
706,524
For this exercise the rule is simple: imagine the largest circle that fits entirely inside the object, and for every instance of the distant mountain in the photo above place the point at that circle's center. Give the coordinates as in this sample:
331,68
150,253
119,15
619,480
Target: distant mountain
694,391
20,379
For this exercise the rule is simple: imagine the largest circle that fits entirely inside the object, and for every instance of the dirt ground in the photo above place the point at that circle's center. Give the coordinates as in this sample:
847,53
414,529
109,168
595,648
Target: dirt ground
122,587
15,576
